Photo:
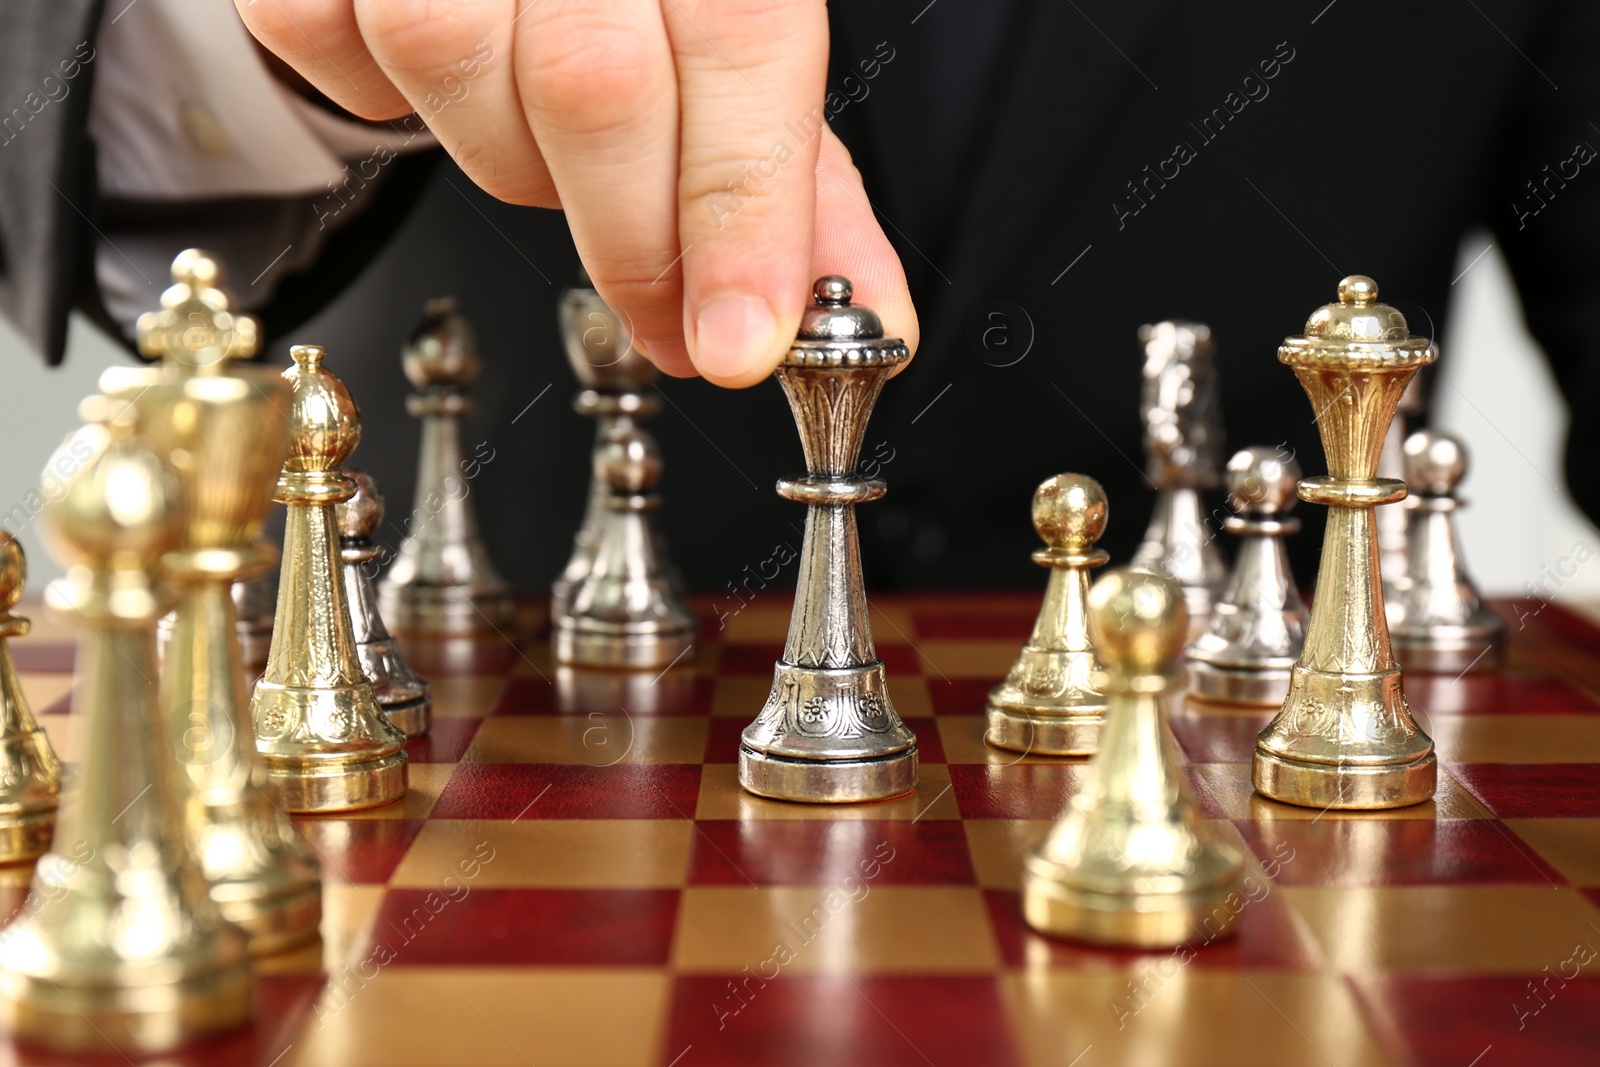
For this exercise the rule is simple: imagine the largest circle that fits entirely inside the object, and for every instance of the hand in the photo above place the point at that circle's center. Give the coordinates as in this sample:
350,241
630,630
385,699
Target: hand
637,117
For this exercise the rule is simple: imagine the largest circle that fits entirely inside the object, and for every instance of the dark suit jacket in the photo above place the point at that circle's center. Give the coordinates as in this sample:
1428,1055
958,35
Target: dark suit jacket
1227,163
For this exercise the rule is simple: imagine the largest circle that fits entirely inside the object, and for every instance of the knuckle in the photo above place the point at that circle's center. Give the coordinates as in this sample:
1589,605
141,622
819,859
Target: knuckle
587,74
417,37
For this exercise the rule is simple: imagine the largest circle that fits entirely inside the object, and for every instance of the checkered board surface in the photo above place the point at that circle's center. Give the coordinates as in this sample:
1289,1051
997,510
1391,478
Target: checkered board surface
575,877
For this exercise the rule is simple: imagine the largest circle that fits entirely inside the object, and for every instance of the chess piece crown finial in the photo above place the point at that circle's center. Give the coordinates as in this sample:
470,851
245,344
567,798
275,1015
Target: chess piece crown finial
1069,514
359,516
1358,318
1261,482
629,462
13,578
197,330
443,349
1435,463
327,423
120,512
1139,623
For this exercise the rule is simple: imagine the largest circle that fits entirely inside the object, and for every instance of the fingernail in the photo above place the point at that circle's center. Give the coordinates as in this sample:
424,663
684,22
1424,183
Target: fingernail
732,332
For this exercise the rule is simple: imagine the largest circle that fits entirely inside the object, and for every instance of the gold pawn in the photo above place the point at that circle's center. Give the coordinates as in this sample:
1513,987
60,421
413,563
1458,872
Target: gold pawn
1048,703
30,773
120,942
1344,737
1130,863
223,426
319,730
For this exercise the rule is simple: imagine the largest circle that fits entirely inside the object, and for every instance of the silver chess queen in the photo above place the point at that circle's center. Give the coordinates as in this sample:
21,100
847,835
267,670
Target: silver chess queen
828,731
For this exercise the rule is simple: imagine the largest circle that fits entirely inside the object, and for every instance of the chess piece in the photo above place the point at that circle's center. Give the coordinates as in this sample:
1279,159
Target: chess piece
829,732
1258,626
618,389
1130,862
403,696
223,425
442,580
31,784
1392,522
1180,404
1048,704
1437,621
625,612
1345,737
319,730
254,602
125,946
633,614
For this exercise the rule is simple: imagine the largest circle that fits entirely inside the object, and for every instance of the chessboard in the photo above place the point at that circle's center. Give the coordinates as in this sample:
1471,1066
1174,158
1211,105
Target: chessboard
575,877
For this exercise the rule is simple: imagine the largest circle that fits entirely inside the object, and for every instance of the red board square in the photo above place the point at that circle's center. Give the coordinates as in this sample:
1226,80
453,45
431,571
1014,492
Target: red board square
1534,790
361,851
527,927
840,1021
1039,790
959,696
526,696
485,654
1496,694
445,742
40,657
982,622
1451,1021
577,692
722,740
767,852
1266,935
1218,738
568,791
1383,852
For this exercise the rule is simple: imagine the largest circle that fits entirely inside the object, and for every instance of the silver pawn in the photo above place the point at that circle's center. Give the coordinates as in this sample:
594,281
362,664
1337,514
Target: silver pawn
625,612
1393,522
1437,620
403,696
1258,627
618,387
1181,409
443,580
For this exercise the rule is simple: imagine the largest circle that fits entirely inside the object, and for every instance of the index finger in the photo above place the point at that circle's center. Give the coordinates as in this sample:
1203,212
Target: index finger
751,75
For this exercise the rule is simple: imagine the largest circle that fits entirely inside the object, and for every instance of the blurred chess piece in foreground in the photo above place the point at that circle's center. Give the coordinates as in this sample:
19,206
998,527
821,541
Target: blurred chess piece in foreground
1131,862
31,786
126,948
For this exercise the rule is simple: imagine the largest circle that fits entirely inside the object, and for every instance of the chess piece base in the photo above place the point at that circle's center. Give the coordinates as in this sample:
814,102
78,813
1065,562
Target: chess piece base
1345,786
445,610
149,1017
1236,685
620,648
320,786
26,835
1477,645
1145,920
412,716
275,924
1044,734
827,781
